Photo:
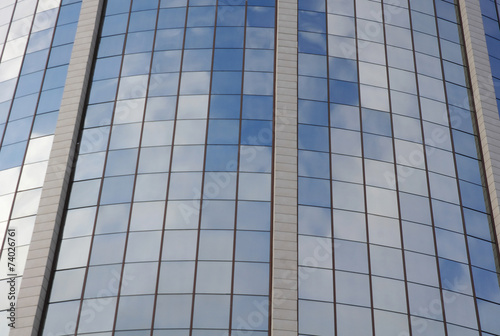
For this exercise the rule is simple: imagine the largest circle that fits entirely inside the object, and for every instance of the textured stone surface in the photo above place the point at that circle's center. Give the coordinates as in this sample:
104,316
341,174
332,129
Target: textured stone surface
484,100
284,295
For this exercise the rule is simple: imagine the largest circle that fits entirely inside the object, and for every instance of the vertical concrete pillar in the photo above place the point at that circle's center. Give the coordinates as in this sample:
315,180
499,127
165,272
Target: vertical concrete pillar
284,282
484,99
32,293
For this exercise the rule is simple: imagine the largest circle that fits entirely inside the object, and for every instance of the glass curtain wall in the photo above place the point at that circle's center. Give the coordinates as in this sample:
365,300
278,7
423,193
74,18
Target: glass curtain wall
394,228
490,12
36,39
167,229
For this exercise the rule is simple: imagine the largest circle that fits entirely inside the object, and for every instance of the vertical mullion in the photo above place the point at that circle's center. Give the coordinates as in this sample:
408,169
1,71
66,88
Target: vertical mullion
424,151
204,168
195,274
496,11
396,179
476,132
330,181
98,206
171,157
426,166
238,169
273,155
47,227
460,203
127,234
10,25
2,136
33,116
73,164
118,296
372,310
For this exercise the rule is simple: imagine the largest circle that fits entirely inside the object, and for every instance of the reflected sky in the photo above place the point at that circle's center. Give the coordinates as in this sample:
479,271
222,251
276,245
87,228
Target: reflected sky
30,83
407,186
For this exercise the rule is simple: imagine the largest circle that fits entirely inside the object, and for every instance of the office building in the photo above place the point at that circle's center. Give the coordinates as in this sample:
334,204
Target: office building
249,167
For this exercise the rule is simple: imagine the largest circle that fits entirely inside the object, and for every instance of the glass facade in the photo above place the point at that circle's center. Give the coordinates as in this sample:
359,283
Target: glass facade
168,224
36,40
177,178
394,227
489,10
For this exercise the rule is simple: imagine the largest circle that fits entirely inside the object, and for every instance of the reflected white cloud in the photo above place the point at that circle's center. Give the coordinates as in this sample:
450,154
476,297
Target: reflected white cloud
352,288
133,87
316,318
127,111
371,52
389,294
451,245
251,278
191,107
214,277
188,158
74,253
125,136
157,133
84,193
180,245
24,229
8,180
150,187
47,4
46,18
195,83
384,231
341,25
79,222
190,132
173,311
317,285
147,216
460,309
382,202
374,97
184,186
348,196
258,83
216,245
26,203
211,311
176,277
5,206
10,69
33,175
443,188
25,8
14,48
431,88
372,74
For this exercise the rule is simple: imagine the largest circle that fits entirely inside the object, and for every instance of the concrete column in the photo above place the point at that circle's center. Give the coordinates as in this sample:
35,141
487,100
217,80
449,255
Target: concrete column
35,282
284,282
484,100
